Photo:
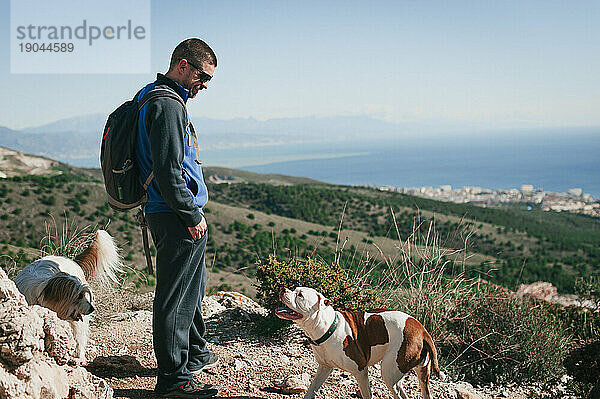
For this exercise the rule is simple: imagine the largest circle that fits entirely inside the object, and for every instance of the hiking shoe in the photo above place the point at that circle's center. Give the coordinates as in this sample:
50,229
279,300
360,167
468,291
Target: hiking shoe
213,360
193,389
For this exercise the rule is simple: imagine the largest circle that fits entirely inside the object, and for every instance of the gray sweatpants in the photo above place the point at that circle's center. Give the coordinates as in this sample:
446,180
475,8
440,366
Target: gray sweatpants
177,325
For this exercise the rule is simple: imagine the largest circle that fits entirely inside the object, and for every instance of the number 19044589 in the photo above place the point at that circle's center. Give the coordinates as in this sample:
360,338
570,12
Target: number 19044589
46,47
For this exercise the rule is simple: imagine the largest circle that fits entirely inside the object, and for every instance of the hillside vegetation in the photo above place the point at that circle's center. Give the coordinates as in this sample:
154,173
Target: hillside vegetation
528,245
250,220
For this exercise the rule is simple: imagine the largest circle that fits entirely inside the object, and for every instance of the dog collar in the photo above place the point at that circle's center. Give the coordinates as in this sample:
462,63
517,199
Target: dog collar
327,334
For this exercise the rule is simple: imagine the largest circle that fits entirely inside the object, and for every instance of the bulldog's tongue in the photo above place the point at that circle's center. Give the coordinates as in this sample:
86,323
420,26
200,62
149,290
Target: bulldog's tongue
287,314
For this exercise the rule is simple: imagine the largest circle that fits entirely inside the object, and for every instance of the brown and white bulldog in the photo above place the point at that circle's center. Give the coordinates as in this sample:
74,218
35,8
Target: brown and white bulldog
353,341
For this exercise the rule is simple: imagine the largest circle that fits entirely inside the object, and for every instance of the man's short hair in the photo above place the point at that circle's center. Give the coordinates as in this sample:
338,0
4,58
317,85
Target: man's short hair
194,50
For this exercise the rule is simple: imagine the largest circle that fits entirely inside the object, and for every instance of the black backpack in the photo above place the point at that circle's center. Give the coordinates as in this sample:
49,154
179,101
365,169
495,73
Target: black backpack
122,178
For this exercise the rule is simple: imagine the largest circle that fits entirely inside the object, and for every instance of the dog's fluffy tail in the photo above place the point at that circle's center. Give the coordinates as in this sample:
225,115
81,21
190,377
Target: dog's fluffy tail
101,260
430,347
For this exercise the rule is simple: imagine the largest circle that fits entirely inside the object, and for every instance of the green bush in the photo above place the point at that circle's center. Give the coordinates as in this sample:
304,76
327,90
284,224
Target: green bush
499,338
582,323
220,287
50,200
342,290
589,288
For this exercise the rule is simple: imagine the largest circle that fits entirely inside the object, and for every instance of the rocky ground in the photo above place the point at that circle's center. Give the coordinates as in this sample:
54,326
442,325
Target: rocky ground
257,361
253,364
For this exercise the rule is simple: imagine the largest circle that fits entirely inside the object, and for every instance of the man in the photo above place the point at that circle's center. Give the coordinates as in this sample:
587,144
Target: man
167,146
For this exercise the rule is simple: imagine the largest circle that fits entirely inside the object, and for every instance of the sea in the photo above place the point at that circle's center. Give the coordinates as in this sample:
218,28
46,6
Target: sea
557,161
554,160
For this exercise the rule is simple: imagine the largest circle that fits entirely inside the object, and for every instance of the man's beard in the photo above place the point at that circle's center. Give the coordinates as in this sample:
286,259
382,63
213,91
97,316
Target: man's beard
194,90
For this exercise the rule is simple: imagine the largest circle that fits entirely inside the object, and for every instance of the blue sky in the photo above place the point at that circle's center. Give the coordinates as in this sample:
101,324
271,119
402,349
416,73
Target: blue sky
491,63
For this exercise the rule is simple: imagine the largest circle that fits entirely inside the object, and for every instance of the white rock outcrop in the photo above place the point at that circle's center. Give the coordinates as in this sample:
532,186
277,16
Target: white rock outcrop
35,350
58,336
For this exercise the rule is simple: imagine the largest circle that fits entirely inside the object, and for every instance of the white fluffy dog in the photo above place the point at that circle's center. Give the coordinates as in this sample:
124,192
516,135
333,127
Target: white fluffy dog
60,284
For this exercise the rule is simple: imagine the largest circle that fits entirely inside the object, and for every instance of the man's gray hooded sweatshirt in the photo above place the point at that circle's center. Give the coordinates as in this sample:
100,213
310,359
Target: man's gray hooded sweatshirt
166,146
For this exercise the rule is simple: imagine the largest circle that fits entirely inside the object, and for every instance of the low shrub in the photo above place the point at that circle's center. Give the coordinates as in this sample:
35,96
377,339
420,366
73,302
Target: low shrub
588,288
343,290
499,338
220,287
582,323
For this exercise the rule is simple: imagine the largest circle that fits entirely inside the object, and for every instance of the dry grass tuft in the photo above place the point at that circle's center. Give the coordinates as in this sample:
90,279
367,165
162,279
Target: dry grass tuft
68,240
483,332
426,276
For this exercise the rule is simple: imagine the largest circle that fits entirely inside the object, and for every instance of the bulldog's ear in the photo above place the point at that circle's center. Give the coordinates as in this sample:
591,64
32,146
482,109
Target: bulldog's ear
322,302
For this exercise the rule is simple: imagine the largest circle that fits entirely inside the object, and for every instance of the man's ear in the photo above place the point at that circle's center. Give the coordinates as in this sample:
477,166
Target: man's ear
182,65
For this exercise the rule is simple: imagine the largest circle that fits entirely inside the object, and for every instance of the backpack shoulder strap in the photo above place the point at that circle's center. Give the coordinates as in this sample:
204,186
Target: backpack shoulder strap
152,94
167,92
155,93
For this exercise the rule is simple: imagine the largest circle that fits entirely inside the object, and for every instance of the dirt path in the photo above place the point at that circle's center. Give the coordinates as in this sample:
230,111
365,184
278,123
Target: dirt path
251,364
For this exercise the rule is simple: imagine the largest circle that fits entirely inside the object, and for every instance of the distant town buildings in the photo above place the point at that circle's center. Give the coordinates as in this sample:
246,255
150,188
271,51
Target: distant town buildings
572,201
575,192
527,188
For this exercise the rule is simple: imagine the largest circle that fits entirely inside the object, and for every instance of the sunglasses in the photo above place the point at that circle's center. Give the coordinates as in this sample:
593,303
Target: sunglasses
204,77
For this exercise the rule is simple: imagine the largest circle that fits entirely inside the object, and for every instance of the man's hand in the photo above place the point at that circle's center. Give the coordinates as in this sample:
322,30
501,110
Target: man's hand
198,230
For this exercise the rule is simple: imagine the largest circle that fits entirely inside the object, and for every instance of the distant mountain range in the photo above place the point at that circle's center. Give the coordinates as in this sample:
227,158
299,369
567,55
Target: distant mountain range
76,141
76,138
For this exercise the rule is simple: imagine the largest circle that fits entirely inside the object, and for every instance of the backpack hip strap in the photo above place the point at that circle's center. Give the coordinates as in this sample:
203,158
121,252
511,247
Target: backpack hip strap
144,226
196,147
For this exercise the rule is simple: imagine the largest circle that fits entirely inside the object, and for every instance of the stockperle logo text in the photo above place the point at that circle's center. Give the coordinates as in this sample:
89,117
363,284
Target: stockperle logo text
83,31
